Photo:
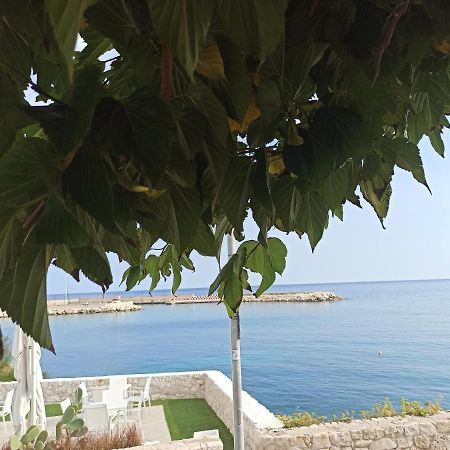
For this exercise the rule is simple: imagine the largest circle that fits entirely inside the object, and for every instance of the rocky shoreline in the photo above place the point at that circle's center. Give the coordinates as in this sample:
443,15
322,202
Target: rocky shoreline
96,306
83,307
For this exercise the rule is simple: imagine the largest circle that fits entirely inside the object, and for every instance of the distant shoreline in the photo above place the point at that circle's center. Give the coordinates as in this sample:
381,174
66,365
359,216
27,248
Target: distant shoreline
128,304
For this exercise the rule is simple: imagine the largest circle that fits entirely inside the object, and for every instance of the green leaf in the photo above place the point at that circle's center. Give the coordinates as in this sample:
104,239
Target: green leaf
435,137
67,124
75,424
69,415
31,434
15,443
182,25
183,217
336,188
88,182
378,198
287,200
277,253
235,190
58,225
11,236
255,26
23,291
204,241
94,264
407,156
65,261
32,159
137,127
66,18
312,217
152,267
12,112
133,277
234,92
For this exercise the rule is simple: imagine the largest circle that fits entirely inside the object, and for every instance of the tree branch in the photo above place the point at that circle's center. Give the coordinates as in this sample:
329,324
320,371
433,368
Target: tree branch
40,91
166,73
32,218
313,7
385,41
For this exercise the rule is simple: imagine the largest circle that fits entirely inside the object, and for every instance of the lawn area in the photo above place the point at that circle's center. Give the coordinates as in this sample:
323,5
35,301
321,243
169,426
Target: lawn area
186,416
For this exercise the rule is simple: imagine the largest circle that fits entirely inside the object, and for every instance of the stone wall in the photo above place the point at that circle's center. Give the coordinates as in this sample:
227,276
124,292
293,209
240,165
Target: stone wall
263,431
375,434
163,385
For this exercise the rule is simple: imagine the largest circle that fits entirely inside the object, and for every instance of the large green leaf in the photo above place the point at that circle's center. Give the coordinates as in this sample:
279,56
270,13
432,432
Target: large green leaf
67,124
23,291
88,182
287,200
65,261
204,241
137,127
235,190
183,217
11,237
12,114
94,264
312,217
66,19
182,25
25,171
407,156
58,225
255,26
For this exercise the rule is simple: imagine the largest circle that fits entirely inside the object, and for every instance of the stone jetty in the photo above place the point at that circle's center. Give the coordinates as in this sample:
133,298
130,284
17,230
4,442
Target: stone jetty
63,308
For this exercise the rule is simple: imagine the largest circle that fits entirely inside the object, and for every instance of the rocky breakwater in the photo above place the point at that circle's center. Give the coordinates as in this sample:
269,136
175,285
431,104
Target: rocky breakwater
294,297
92,307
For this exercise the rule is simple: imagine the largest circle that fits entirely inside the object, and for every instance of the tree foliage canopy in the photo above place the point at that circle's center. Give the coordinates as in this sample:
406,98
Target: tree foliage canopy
178,118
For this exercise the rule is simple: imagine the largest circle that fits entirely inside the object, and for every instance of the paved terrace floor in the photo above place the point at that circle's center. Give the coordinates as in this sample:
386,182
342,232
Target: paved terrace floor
153,423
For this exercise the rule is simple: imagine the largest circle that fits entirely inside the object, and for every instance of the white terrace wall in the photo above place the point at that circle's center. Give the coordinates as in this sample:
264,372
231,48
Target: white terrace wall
263,431
186,444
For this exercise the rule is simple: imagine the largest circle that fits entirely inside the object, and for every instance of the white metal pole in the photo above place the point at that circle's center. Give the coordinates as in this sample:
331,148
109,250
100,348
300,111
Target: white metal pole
238,424
31,357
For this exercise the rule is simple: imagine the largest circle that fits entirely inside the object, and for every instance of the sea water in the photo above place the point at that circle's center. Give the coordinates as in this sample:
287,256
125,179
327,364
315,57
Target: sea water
384,340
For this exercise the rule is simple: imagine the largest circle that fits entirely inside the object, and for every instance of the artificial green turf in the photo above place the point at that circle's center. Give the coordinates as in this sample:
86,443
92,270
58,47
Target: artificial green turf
51,410
186,416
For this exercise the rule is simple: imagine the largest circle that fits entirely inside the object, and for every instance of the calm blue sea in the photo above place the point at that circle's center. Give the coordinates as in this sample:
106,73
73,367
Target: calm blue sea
321,357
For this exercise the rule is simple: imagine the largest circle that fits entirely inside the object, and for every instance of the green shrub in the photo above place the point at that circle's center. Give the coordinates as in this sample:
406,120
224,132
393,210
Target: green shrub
415,408
385,409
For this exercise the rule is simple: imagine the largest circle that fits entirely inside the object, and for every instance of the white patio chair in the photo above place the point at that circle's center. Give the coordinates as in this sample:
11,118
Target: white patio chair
119,384
6,407
97,419
65,404
133,416
141,396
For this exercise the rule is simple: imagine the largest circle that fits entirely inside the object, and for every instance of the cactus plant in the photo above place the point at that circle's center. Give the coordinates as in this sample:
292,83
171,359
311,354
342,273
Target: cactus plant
33,439
37,439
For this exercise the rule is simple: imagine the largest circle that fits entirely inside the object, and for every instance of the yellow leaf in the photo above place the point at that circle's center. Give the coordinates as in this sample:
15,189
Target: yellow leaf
442,46
130,185
251,115
154,193
276,164
210,63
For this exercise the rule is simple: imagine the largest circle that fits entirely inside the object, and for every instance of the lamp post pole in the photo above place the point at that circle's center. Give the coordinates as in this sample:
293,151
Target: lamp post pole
238,425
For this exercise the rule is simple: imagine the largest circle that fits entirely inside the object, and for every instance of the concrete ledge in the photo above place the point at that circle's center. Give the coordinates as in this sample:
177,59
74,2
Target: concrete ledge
186,444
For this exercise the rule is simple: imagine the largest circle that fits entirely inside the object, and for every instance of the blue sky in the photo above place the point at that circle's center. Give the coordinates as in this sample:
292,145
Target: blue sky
415,245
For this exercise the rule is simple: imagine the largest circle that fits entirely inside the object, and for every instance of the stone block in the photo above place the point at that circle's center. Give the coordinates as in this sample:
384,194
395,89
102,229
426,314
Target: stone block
439,443
320,440
356,434
405,442
427,428
361,443
341,439
443,426
422,441
383,444
411,430
373,433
